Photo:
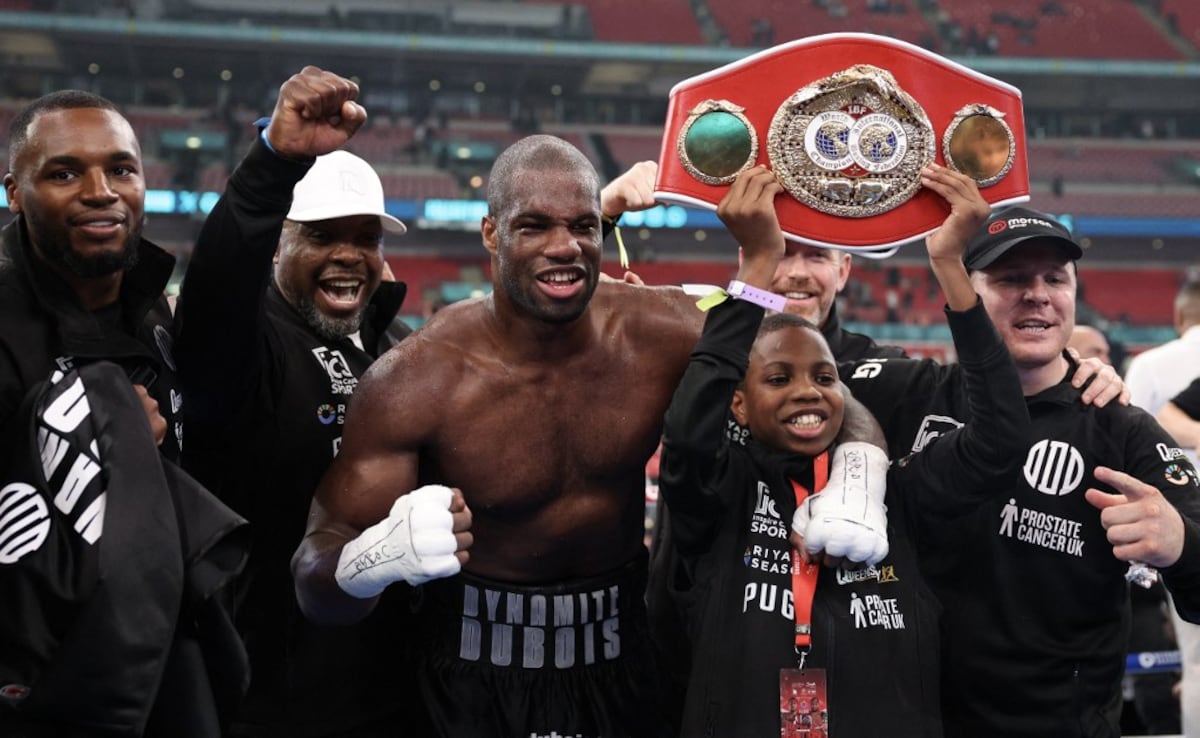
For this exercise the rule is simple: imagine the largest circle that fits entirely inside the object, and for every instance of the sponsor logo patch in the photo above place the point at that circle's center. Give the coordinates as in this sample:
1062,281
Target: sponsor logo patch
1054,467
1041,529
880,574
24,522
326,414
873,611
1178,475
932,427
341,380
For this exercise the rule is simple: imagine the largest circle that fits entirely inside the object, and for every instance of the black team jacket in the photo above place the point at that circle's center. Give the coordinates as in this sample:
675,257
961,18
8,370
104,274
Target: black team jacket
1036,620
267,398
43,327
875,631
112,563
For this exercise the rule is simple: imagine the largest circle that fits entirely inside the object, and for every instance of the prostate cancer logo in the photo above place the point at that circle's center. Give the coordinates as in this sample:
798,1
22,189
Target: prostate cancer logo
997,227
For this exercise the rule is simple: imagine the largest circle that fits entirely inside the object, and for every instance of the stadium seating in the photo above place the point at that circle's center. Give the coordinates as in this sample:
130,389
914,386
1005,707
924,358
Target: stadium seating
1107,160
1082,29
792,19
1186,14
631,144
659,21
1164,204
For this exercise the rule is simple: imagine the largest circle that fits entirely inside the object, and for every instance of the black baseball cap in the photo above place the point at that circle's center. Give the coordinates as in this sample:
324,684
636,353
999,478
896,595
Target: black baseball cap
1011,226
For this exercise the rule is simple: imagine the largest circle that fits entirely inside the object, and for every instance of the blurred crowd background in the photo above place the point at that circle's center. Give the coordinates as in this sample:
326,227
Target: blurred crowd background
1111,89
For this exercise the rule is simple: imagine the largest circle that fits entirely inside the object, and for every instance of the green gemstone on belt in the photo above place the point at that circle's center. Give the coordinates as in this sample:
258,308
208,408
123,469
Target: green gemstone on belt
718,144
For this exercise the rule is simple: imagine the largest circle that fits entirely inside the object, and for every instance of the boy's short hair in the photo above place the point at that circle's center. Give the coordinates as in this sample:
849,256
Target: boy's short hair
777,321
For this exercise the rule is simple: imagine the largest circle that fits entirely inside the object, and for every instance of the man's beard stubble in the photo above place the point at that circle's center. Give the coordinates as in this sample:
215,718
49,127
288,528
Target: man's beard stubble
100,265
330,329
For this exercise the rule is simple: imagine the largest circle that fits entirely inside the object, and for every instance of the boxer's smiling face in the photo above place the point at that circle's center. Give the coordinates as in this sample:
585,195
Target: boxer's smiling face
329,269
547,243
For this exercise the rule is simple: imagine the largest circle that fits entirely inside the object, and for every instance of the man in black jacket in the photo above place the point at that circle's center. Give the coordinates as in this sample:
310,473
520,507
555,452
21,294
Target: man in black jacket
281,312
1036,608
79,282
108,626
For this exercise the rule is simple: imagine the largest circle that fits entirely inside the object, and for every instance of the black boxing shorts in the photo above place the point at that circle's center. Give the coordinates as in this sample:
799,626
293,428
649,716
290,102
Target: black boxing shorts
571,660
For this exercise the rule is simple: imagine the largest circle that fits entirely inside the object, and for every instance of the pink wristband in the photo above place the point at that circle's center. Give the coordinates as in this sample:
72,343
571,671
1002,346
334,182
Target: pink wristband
742,291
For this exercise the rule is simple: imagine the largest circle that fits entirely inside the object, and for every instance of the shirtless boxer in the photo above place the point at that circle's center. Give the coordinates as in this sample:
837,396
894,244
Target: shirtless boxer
542,403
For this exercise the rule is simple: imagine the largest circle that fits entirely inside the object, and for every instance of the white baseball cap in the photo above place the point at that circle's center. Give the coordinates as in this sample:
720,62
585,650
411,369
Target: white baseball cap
340,184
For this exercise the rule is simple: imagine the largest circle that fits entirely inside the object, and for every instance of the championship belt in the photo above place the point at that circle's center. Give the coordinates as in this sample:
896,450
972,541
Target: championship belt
846,121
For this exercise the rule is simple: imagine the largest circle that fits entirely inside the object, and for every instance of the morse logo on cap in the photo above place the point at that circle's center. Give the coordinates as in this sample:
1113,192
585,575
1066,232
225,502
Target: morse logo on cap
997,227
1022,222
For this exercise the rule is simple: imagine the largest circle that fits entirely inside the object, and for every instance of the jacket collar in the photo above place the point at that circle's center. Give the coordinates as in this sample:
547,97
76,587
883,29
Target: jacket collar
80,332
385,305
792,466
1062,393
832,330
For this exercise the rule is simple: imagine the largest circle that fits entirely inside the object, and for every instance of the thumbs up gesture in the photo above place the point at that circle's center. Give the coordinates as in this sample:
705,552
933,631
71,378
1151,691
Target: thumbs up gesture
1141,524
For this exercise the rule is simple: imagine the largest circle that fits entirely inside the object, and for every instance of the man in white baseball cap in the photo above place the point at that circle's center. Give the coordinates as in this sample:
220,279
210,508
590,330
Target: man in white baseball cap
330,257
340,184
282,311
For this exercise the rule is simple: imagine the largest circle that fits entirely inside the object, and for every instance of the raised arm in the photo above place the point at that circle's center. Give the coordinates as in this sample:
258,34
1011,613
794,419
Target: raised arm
219,319
368,527
691,473
968,211
633,190
980,458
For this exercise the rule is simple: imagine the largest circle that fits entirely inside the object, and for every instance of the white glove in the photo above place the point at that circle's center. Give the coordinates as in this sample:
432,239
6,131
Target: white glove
848,518
415,542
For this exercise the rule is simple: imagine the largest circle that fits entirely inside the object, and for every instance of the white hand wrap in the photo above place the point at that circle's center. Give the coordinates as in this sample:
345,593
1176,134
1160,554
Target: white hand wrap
848,518
415,542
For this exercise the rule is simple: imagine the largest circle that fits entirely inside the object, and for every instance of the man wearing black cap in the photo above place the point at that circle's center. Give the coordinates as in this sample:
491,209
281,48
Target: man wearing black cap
1034,585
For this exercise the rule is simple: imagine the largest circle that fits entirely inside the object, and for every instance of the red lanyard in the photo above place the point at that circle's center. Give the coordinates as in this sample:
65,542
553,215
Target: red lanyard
804,576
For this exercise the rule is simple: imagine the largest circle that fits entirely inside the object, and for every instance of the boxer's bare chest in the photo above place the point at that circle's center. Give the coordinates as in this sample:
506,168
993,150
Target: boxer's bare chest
518,437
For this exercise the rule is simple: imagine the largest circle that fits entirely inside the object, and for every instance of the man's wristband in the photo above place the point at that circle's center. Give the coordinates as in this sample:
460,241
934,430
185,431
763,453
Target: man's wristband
739,290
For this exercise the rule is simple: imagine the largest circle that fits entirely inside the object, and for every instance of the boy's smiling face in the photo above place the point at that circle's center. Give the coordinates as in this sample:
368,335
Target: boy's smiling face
791,399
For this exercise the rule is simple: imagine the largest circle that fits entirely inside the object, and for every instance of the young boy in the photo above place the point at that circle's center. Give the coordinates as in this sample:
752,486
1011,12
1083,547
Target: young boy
782,646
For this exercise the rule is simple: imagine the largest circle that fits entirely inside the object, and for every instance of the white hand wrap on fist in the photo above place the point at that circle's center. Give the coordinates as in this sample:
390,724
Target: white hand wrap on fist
415,542
848,518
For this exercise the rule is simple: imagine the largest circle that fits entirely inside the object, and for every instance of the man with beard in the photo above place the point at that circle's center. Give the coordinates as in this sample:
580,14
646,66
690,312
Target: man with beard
79,281
810,277
109,555
281,312
542,402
